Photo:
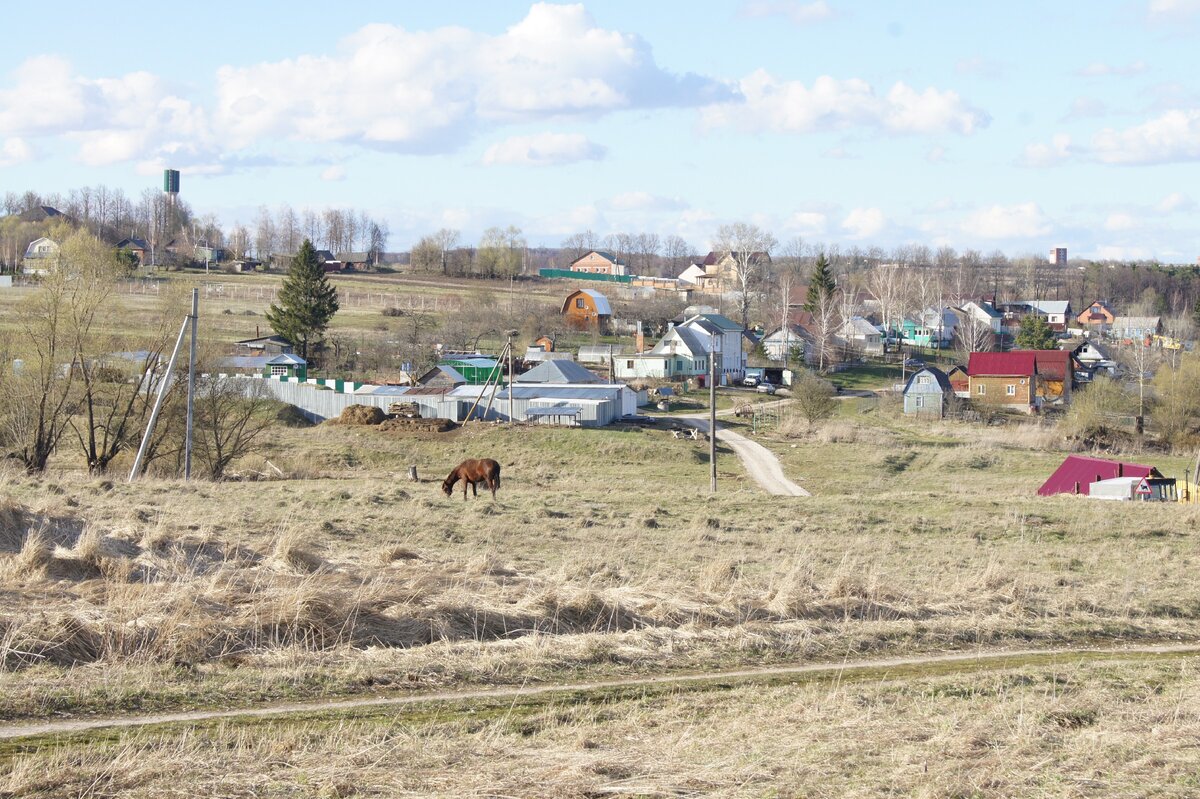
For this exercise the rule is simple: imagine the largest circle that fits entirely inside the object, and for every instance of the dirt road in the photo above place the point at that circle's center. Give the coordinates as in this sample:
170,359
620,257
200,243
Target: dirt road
921,665
759,461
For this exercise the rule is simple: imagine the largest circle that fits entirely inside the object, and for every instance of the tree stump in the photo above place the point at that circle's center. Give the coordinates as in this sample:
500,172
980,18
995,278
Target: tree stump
412,473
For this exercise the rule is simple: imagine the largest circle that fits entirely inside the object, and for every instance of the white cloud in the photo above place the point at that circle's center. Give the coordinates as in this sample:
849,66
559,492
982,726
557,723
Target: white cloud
14,151
334,173
1166,10
840,154
543,149
1038,155
800,13
1114,252
862,223
832,104
807,223
1021,221
1175,201
430,90
1170,138
1120,221
1099,69
111,119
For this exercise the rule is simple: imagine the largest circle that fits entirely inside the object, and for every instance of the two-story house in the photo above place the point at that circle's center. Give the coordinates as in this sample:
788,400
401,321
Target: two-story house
726,336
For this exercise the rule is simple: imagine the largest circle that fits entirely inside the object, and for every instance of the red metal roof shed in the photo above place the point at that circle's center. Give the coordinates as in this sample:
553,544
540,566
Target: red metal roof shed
1078,472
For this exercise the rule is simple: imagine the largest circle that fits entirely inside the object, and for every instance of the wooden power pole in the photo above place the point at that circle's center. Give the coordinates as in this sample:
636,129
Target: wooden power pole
712,416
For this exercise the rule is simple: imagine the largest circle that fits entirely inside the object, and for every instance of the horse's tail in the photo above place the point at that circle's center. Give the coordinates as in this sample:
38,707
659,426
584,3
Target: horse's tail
497,476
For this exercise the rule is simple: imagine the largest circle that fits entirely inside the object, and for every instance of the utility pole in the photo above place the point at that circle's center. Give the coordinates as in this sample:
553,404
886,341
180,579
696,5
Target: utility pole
712,415
191,395
511,375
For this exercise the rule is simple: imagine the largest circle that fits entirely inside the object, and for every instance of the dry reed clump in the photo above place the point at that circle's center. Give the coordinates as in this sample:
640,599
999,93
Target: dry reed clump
360,415
291,551
14,522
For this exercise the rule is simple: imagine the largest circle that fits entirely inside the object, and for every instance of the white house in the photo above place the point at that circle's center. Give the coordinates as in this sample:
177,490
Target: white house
692,276
726,335
858,332
785,341
39,256
984,313
681,352
1056,312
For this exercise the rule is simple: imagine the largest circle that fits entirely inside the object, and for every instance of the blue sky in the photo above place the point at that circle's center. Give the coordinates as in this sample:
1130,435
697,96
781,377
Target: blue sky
1014,126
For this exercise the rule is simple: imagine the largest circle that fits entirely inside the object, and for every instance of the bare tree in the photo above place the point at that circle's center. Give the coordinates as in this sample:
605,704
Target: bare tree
677,252
747,249
231,415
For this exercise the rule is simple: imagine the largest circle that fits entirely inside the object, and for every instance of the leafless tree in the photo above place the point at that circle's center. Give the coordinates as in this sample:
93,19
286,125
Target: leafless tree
747,249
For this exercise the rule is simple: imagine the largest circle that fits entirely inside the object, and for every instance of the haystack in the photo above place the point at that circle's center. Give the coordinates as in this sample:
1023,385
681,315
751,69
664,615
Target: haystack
362,415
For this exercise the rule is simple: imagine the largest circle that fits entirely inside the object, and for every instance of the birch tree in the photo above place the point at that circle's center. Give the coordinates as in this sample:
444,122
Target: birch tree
748,250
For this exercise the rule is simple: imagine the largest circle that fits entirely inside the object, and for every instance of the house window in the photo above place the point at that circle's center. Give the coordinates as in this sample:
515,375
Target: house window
920,402
981,389
1010,390
278,371
629,364
579,303
923,380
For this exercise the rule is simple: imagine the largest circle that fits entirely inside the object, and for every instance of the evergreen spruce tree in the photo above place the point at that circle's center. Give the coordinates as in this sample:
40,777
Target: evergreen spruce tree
306,301
820,284
1035,334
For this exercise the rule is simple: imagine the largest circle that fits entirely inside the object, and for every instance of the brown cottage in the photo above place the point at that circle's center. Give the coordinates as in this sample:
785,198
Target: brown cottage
585,309
1004,379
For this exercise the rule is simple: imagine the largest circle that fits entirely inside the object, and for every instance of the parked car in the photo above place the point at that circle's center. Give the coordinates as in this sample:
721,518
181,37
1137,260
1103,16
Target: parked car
750,382
914,363
765,388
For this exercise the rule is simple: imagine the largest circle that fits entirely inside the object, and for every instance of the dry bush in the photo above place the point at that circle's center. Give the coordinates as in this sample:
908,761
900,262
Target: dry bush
14,521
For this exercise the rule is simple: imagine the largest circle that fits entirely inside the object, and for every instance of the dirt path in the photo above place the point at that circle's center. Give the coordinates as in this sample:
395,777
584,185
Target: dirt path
759,461
928,663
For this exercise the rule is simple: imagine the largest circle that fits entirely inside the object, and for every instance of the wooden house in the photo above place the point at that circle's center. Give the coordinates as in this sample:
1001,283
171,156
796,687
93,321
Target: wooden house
1003,379
959,381
1087,476
927,393
585,309
139,248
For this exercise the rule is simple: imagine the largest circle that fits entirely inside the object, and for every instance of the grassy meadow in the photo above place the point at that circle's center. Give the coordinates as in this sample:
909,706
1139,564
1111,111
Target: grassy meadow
322,572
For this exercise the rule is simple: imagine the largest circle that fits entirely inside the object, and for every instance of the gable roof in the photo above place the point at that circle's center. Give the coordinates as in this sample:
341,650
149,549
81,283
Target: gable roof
1017,363
714,257
605,254
985,307
937,374
860,327
1083,470
598,299
1055,364
1136,322
133,243
40,213
288,358
714,322
1048,306
441,370
691,340
354,257
558,372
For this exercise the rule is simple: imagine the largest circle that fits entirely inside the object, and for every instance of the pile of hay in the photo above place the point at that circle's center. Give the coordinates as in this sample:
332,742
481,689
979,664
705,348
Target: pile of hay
361,415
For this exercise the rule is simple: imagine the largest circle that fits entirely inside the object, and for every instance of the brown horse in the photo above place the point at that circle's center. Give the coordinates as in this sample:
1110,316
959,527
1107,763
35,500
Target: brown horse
472,472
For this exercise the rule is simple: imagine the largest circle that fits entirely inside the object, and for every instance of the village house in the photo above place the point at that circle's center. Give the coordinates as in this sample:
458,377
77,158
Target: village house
40,256
1003,379
682,352
599,262
927,393
933,328
727,336
137,246
1098,316
288,366
694,275
720,270
862,336
786,343
1136,328
585,309
1105,479
959,381
264,345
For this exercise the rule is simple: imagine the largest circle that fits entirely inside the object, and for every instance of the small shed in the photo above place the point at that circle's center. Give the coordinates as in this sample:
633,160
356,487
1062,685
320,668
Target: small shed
926,393
287,364
561,372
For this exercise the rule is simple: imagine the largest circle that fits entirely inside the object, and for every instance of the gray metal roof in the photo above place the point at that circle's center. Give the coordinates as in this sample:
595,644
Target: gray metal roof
600,301
558,372
550,391
287,358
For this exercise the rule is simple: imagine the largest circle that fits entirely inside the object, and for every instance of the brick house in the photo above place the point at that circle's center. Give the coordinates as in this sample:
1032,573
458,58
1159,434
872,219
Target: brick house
1097,316
599,262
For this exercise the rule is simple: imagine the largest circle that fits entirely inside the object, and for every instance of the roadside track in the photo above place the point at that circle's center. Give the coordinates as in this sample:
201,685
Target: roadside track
932,664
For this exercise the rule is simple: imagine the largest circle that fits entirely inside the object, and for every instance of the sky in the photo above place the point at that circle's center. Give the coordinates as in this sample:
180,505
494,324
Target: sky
1017,126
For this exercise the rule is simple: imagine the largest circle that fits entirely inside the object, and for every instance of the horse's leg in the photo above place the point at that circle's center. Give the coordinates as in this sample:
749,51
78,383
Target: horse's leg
464,490
475,489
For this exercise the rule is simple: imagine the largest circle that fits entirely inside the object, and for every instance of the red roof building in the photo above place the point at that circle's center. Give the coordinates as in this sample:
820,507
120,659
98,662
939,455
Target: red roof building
1018,363
1078,472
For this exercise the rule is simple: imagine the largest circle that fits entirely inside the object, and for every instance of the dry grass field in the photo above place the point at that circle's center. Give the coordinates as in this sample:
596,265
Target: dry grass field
323,573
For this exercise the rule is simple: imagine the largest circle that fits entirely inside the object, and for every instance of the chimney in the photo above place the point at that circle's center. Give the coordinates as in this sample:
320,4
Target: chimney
640,338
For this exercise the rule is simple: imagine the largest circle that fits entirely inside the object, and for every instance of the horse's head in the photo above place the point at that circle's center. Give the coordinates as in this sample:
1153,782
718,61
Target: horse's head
447,486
